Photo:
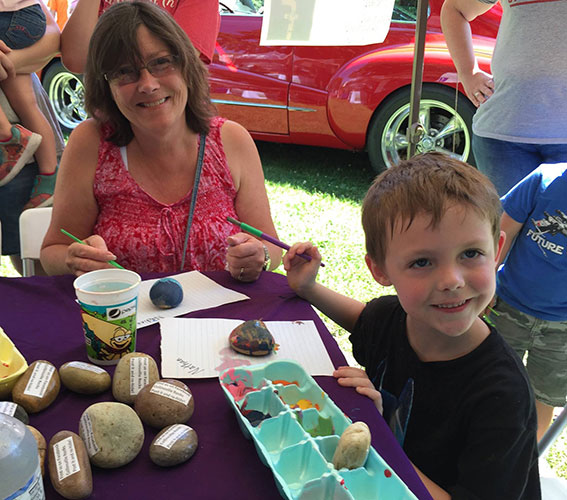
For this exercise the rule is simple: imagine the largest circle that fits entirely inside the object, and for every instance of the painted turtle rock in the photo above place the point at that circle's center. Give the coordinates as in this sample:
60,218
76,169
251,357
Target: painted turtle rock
166,293
253,338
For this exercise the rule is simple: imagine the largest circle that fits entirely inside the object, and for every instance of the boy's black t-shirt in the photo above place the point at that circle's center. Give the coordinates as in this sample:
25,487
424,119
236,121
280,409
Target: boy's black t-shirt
472,423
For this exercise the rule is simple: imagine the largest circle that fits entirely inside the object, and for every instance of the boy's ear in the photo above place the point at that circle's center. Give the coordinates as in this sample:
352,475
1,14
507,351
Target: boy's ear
377,272
500,245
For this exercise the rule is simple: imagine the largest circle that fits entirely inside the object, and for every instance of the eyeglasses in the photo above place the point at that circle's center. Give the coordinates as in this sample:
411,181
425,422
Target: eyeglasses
160,66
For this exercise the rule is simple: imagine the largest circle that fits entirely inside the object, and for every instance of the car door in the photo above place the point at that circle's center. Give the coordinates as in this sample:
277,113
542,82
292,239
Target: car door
249,83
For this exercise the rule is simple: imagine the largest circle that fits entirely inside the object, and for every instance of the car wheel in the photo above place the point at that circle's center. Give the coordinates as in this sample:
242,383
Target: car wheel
446,131
67,95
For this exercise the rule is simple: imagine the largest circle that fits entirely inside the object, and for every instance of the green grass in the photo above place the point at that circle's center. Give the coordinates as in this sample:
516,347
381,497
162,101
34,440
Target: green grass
315,194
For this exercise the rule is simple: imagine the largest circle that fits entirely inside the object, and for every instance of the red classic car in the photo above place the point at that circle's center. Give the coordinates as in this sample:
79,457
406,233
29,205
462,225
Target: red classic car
347,97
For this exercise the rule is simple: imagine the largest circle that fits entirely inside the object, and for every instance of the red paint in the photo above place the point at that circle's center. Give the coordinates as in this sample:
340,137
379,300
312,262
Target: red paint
388,473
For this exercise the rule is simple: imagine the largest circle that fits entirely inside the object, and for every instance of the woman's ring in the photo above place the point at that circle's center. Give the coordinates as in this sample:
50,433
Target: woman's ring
240,274
477,93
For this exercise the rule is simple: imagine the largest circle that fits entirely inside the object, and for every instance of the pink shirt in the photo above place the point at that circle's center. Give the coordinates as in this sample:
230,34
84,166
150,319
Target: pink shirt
200,19
147,235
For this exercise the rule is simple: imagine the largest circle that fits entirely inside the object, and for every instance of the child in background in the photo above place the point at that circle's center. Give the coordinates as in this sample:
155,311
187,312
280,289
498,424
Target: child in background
455,394
22,23
531,304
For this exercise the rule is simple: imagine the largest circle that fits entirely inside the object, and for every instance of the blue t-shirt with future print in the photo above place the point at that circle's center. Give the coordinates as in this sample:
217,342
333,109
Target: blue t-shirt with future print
533,278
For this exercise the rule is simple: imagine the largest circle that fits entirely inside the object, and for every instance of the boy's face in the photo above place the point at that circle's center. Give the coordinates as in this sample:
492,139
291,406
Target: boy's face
444,276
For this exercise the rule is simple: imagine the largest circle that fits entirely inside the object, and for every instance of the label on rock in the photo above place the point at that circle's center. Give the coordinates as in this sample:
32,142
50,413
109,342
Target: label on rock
139,374
39,380
66,459
172,392
8,408
86,431
85,366
172,435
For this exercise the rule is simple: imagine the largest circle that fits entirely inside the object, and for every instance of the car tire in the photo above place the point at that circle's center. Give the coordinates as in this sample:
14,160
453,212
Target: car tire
446,131
67,95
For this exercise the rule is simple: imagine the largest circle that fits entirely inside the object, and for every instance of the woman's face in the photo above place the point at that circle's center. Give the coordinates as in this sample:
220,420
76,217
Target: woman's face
152,103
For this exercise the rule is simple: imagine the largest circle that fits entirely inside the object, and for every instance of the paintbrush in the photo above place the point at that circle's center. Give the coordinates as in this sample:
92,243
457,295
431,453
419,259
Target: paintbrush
267,237
67,233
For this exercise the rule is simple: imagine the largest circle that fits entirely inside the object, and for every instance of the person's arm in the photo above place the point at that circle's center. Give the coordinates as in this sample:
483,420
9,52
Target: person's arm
511,227
76,35
36,56
75,209
434,489
301,276
456,16
252,205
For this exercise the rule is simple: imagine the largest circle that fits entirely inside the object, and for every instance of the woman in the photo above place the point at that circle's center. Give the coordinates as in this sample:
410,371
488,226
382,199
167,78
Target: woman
126,177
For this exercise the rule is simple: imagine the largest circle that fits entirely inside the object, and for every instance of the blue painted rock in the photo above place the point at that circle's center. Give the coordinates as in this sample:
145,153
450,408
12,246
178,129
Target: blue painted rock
166,293
253,338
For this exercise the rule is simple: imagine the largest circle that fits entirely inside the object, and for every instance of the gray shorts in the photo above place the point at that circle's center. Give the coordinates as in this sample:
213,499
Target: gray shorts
546,344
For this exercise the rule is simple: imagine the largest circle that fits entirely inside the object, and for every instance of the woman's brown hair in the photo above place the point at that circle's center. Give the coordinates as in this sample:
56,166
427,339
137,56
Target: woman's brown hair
114,44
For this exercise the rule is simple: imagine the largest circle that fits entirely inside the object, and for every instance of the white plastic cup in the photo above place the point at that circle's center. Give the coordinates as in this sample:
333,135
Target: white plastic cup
109,301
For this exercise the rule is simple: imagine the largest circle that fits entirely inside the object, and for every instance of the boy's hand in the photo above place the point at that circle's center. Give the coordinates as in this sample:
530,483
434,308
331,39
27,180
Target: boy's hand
301,273
350,376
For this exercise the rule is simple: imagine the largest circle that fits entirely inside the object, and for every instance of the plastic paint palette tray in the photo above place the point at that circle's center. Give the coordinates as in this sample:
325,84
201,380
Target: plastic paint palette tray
296,427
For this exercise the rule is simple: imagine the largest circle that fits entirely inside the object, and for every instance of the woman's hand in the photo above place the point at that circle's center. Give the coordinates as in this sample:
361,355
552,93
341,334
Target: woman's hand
244,257
350,376
479,87
84,258
7,69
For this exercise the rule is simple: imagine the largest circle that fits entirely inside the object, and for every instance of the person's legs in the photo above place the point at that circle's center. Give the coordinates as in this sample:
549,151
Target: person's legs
20,94
505,163
547,369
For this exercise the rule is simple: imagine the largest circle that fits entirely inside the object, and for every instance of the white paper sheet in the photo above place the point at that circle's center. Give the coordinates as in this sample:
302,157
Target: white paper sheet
199,292
325,22
198,348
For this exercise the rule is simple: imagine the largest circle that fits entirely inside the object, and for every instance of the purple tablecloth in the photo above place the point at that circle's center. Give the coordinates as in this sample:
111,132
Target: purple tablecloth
41,317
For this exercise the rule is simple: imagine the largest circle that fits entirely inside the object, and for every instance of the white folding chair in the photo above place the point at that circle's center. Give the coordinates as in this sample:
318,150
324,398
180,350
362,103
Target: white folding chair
33,226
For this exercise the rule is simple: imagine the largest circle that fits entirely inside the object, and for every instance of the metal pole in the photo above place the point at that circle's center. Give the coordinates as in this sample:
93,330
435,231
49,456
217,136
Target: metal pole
415,130
553,432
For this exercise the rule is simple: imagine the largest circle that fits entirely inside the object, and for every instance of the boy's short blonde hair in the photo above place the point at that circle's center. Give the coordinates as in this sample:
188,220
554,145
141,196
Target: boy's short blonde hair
425,184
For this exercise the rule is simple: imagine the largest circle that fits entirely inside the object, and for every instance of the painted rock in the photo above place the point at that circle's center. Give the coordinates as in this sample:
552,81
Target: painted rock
41,447
252,338
164,402
84,378
353,447
113,434
14,410
133,372
38,387
173,445
166,293
69,466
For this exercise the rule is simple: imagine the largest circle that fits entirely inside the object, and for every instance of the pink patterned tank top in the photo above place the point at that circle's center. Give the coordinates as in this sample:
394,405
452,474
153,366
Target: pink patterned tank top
148,236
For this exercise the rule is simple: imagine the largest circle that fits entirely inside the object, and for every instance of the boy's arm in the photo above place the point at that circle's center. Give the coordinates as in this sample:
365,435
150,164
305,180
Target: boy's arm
301,275
456,16
36,56
511,227
434,489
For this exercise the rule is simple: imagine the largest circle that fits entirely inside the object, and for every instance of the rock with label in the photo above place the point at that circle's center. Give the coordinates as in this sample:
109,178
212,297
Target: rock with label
41,447
173,445
38,387
133,372
164,402
353,447
14,410
113,434
84,378
69,466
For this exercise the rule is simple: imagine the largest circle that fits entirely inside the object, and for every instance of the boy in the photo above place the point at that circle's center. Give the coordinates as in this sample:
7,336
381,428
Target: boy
531,305
22,23
456,396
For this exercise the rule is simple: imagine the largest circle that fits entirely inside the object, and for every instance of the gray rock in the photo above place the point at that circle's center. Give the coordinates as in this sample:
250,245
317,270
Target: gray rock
173,445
